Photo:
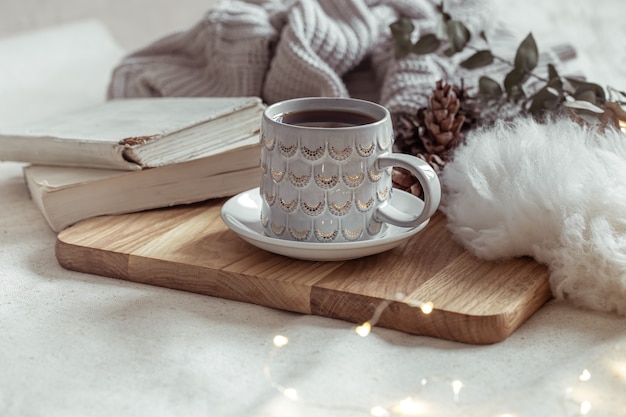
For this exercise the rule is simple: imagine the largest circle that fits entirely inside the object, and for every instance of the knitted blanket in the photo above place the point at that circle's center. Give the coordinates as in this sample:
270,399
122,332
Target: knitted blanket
278,49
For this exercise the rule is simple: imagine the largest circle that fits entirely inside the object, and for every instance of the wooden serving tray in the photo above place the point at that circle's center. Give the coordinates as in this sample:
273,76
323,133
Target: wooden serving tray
189,248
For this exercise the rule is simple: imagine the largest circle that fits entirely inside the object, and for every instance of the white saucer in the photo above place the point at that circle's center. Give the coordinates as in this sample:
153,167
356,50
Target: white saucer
241,214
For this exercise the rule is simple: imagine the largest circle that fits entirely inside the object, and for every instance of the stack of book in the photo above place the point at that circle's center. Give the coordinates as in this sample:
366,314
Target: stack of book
131,155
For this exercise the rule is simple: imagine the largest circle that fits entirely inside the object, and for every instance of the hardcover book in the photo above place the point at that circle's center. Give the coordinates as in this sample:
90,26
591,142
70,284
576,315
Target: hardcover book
133,134
66,195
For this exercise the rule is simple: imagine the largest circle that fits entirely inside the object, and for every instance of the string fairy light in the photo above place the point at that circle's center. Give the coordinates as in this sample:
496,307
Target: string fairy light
456,389
584,395
379,411
427,307
601,395
584,376
280,341
290,393
409,407
585,407
365,328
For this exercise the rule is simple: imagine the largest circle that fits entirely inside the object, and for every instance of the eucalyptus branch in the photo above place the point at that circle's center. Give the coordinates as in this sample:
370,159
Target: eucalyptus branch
557,92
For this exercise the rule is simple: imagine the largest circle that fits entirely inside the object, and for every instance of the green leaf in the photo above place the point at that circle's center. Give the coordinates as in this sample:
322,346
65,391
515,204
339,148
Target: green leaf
554,79
479,59
586,95
583,86
543,100
552,73
527,55
513,83
426,44
458,35
401,31
449,52
489,88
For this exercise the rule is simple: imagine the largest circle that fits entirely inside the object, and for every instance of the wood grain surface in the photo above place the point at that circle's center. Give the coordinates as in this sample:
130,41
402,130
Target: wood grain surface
189,248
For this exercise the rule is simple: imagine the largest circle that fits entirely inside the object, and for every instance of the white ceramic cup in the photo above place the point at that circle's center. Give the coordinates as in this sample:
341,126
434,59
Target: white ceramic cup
326,172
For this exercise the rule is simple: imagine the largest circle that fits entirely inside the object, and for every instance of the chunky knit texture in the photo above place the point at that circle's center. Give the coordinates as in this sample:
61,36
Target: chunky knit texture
278,49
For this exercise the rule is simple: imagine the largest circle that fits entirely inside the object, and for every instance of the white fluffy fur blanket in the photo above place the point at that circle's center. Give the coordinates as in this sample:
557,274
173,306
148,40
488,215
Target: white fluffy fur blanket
555,192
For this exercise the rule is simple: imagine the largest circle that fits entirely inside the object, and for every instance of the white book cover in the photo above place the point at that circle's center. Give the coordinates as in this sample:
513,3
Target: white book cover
66,195
132,134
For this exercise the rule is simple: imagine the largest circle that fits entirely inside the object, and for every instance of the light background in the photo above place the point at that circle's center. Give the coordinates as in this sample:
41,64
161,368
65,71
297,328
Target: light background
74,344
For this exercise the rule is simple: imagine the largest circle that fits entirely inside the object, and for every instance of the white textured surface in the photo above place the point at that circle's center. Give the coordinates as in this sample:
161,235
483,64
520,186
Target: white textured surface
73,344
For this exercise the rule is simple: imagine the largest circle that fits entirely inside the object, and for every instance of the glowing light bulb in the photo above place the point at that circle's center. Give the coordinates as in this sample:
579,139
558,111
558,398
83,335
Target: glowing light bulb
291,393
427,308
409,407
364,329
379,412
456,386
456,389
585,375
585,407
280,341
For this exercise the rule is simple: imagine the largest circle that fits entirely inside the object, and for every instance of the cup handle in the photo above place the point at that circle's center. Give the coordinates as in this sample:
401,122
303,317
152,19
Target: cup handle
427,178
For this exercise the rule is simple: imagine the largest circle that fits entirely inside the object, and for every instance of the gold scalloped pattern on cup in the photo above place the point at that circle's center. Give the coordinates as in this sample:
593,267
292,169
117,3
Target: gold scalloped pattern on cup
287,151
288,207
326,182
277,175
340,210
340,154
299,234
384,143
278,229
351,234
353,180
374,228
326,237
365,151
312,154
270,198
312,209
374,176
264,221
364,205
268,143
299,181
382,195
263,167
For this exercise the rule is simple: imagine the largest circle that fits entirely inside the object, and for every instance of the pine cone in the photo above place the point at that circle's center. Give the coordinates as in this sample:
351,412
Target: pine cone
431,134
443,126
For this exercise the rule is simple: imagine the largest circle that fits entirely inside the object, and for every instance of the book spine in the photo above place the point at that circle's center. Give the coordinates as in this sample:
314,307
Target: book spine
74,153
